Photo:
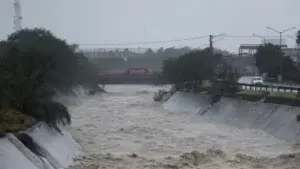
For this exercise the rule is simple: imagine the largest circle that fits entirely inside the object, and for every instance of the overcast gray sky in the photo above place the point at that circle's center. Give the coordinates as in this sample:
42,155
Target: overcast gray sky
118,21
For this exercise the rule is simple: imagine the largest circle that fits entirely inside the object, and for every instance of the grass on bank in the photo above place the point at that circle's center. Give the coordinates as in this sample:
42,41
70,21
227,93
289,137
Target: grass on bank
284,95
290,99
13,121
251,93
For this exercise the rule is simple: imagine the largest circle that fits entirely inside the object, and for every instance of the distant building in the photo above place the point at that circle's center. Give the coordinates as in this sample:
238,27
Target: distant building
250,49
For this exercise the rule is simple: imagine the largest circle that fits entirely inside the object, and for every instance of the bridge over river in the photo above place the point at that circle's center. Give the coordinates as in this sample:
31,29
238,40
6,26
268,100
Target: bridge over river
131,76
127,79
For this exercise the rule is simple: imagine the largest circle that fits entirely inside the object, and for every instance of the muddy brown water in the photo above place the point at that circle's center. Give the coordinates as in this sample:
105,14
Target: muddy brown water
126,129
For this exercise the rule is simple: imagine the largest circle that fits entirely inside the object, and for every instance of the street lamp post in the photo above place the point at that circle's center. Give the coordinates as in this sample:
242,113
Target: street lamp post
280,43
263,38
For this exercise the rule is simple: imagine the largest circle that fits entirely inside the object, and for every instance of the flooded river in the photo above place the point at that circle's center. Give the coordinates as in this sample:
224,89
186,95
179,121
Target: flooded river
125,129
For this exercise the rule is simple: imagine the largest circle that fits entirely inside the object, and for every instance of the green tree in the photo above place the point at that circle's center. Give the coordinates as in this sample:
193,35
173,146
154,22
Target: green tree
149,52
298,45
23,89
170,70
298,38
194,66
226,78
160,50
270,59
41,44
33,63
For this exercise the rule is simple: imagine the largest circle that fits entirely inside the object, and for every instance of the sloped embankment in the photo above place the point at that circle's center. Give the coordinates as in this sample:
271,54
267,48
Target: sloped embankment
53,149
277,120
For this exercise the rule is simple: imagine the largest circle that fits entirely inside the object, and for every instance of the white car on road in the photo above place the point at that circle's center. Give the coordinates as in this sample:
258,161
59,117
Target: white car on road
251,80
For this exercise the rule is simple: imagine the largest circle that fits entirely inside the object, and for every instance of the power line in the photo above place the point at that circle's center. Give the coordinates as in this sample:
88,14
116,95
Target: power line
174,40
240,36
149,42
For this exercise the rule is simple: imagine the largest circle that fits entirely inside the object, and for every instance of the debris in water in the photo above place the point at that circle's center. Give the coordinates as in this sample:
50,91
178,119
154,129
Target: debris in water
133,155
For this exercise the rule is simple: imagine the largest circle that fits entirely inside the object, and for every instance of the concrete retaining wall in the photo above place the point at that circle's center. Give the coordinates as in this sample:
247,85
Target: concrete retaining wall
58,150
277,120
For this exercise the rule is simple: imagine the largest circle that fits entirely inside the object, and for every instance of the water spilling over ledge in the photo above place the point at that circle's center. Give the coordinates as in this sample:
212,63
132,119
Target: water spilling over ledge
277,120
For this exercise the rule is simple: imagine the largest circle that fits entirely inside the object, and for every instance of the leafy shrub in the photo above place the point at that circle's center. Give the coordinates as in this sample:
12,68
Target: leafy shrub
190,70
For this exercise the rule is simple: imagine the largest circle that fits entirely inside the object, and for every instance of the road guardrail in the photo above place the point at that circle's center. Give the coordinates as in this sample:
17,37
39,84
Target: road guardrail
270,88
262,87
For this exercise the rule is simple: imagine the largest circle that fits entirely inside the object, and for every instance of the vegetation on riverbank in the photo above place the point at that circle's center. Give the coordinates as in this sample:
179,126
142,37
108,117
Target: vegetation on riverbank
34,65
189,72
194,69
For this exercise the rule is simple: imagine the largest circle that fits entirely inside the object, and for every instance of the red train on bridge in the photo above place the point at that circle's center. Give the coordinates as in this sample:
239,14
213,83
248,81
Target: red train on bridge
131,72
138,72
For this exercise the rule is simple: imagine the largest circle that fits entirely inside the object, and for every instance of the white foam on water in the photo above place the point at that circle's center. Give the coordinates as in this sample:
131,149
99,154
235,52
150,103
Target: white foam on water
124,121
80,91
277,120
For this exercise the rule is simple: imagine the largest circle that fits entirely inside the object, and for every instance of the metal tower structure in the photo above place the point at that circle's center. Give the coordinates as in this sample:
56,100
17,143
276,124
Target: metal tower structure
17,15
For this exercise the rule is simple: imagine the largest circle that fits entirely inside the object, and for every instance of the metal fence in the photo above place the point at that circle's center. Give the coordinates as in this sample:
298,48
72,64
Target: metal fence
261,87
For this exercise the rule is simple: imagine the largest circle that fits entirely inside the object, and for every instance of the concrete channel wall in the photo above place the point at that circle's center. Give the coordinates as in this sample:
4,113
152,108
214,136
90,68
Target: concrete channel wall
277,120
58,150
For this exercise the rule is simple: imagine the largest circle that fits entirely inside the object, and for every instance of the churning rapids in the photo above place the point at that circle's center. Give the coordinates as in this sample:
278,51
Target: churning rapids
125,129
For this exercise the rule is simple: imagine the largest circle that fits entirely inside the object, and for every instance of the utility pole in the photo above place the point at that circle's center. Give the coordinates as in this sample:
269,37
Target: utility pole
280,43
17,16
211,40
211,45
